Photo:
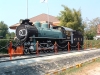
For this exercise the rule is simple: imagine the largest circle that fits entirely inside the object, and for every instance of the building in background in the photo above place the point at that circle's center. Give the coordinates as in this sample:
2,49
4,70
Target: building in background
42,18
97,37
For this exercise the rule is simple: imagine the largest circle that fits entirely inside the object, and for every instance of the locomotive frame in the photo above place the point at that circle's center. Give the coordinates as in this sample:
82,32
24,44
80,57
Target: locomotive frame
28,34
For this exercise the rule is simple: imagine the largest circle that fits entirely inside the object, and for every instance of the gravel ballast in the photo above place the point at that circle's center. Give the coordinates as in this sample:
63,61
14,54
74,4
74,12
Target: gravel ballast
44,66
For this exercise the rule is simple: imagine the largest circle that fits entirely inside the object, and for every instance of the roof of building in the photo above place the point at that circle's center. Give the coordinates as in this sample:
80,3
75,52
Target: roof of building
42,17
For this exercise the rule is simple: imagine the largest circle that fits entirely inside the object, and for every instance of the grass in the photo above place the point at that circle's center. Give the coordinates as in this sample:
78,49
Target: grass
76,71
92,43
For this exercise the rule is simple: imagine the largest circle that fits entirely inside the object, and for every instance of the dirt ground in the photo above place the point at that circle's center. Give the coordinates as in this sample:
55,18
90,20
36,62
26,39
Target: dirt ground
91,69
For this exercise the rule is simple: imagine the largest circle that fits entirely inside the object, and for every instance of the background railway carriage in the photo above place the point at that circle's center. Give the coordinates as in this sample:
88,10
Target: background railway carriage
29,34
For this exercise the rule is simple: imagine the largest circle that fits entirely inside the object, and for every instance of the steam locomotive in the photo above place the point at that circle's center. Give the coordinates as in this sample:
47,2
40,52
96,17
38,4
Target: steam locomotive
29,33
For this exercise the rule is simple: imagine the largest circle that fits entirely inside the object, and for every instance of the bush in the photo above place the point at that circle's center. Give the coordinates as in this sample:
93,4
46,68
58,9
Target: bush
4,43
92,43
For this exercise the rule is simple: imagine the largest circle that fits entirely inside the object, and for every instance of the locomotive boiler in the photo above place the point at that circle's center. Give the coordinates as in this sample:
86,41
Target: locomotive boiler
28,34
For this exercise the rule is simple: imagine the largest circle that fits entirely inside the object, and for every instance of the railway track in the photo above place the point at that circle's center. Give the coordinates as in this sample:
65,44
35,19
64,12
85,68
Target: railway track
6,58
46,63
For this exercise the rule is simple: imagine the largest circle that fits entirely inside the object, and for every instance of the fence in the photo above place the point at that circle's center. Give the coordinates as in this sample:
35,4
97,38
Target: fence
20,49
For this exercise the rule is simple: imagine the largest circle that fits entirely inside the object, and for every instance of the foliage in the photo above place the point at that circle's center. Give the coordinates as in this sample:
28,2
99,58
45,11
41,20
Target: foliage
89,36
10,35
3,29
4,43
92,43
91,28
71,18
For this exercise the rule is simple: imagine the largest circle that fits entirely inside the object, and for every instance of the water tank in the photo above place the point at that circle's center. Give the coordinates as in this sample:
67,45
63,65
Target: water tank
44,25
37,24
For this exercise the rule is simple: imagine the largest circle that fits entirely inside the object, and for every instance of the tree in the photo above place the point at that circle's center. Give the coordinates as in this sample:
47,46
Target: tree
91,29
10,35
71,18
3,29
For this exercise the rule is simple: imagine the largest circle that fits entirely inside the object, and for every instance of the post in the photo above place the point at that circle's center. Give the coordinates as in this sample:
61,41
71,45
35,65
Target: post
37,51
96,45
27,9
48,12
68,46
91,45
55,47
10,50
46,1
78,46
22,49
84,46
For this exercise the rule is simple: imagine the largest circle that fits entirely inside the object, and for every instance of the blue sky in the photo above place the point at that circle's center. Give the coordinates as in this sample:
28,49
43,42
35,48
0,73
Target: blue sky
11,11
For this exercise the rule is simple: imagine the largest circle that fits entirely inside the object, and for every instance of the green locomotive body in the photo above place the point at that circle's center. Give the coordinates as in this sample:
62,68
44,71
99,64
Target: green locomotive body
45,31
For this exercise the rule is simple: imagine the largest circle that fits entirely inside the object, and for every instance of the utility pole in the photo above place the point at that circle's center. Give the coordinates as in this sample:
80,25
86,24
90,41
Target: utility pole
48,12
46,1
27,9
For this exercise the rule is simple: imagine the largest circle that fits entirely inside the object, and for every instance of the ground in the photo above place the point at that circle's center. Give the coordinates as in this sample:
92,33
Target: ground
90,69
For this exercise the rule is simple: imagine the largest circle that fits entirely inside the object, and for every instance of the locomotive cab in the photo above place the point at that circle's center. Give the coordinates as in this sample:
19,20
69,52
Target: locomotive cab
69,34
61,29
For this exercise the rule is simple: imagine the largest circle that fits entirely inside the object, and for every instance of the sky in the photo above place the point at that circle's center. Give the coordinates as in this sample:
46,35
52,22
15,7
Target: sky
11,11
